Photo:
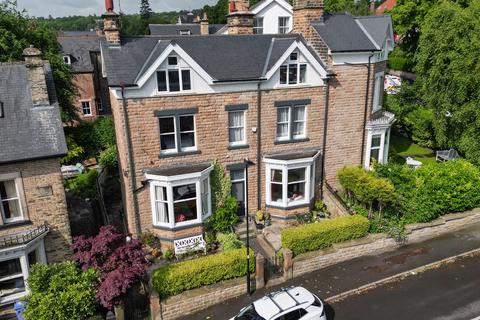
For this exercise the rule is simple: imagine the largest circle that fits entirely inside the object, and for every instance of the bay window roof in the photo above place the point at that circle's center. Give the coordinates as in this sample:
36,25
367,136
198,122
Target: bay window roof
293,155
177,170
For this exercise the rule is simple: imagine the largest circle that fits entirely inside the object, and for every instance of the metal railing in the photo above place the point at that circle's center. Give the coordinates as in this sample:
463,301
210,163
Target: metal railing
23,237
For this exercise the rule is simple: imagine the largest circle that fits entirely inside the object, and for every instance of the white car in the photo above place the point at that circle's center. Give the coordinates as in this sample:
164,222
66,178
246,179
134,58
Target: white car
295,303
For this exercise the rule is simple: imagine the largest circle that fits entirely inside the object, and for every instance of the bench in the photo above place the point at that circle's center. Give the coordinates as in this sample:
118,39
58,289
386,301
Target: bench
190,244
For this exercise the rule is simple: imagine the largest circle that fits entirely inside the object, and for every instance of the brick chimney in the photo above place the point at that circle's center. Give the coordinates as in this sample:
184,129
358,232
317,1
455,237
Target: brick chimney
305,11
36,76
111,24
204,25
239,18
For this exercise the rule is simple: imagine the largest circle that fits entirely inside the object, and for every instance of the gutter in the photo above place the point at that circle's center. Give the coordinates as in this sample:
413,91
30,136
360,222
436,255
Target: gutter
131,164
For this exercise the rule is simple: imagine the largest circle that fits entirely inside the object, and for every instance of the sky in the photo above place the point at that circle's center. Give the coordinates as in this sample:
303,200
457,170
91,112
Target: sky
62,8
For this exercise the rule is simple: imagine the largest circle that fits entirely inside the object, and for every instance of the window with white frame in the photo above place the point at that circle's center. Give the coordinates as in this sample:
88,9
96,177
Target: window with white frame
283,25
174,78
11,277
185,32
180,202
67,59
290,183
293,72
99,104
177,133
237,177
291,123
10,201
258,25
86,109
377,91
236,127
376,145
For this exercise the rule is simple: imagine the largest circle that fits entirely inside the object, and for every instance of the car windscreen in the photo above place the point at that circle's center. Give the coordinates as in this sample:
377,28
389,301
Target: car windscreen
248,313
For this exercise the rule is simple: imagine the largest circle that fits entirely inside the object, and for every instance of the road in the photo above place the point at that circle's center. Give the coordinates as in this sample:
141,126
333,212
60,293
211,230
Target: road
451,292
355,273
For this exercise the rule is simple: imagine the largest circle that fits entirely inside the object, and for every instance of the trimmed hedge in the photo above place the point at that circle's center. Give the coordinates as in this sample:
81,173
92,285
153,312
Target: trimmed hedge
175,278
315,236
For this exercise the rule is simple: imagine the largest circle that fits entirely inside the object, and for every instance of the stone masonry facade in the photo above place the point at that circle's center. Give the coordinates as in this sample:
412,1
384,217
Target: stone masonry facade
44,201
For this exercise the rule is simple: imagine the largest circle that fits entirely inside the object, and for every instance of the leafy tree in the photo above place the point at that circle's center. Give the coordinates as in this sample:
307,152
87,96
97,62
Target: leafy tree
17,32
221,186
361,7
145,10
448,68
119,263
60,291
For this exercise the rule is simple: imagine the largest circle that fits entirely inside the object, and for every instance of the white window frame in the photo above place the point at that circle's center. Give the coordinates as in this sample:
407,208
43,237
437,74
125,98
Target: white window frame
377,91
179,69
22,252
89,108
185,32
283,29
384,134
306,163
15,177
244,138
295,63
177,134
170,182
67,59
290,136
258,27
99,104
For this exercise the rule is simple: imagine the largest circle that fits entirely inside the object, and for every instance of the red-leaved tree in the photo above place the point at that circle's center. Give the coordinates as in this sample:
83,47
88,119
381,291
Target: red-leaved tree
120,263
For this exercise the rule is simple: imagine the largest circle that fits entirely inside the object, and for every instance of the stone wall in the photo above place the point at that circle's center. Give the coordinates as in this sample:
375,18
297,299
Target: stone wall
44,203
378,243
335,206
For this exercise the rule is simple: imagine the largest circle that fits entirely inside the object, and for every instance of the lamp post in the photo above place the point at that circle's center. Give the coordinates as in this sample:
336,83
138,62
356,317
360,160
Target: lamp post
247,163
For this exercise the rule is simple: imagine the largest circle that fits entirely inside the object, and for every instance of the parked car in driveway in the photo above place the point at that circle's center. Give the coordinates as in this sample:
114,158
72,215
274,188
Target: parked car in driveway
295,303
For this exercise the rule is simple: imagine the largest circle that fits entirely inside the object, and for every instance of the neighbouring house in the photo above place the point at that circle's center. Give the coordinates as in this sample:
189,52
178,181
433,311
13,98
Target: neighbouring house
34,225
269,17
298,106
81,50
387,5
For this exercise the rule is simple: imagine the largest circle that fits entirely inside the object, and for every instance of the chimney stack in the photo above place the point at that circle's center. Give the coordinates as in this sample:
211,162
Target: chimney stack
36,76
239,19
372,7
111,24
204,25
305,11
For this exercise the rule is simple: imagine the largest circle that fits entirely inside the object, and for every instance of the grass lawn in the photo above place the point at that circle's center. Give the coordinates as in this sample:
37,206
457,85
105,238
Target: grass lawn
404,147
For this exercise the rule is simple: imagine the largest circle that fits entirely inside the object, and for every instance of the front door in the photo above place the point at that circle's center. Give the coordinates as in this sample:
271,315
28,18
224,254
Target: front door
238,189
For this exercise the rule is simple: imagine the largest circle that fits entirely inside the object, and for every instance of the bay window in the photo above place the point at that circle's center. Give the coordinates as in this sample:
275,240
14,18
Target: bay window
377,146
181,199
290,182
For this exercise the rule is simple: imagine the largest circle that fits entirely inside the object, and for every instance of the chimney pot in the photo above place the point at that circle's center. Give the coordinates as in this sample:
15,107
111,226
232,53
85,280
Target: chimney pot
109,5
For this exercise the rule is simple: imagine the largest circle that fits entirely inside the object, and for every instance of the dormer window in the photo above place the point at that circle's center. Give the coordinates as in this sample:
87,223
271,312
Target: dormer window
185,32
174,79
67,59
2,112
293,72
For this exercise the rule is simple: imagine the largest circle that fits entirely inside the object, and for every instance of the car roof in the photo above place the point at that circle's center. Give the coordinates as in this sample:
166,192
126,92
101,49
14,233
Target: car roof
283,300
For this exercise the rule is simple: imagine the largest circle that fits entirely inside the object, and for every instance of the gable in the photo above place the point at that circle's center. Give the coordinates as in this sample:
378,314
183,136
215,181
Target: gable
267,5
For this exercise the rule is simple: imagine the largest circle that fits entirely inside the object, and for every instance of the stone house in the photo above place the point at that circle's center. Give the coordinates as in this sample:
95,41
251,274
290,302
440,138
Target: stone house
81,50
298,106
34,226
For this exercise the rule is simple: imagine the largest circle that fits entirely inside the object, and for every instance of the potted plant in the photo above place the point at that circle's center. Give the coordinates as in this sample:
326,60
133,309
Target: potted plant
267,219
259,218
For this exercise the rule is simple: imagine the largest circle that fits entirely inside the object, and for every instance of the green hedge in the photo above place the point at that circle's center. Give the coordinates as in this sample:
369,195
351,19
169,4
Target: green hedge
323,234
175,278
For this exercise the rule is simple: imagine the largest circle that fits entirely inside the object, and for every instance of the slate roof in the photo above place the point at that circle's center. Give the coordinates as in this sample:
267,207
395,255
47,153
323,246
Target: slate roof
79,48
180,169
376,27
27,131
217,55
174,29
344,32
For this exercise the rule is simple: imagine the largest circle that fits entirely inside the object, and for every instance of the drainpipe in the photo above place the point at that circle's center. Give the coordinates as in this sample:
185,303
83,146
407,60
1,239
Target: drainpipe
132,163
325,125
366,109
259,146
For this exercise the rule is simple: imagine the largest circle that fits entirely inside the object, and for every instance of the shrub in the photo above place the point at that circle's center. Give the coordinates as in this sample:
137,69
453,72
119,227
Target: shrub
83,185
108,158
60,291
323,234
120,264
226,216
229,241
175,278
75,152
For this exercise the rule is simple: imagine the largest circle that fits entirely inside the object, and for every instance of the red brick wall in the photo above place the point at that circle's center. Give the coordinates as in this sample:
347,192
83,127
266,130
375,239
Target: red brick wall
84,84
41,207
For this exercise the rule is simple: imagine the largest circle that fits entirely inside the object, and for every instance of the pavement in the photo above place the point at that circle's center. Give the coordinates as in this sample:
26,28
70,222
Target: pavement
450,292
355,273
